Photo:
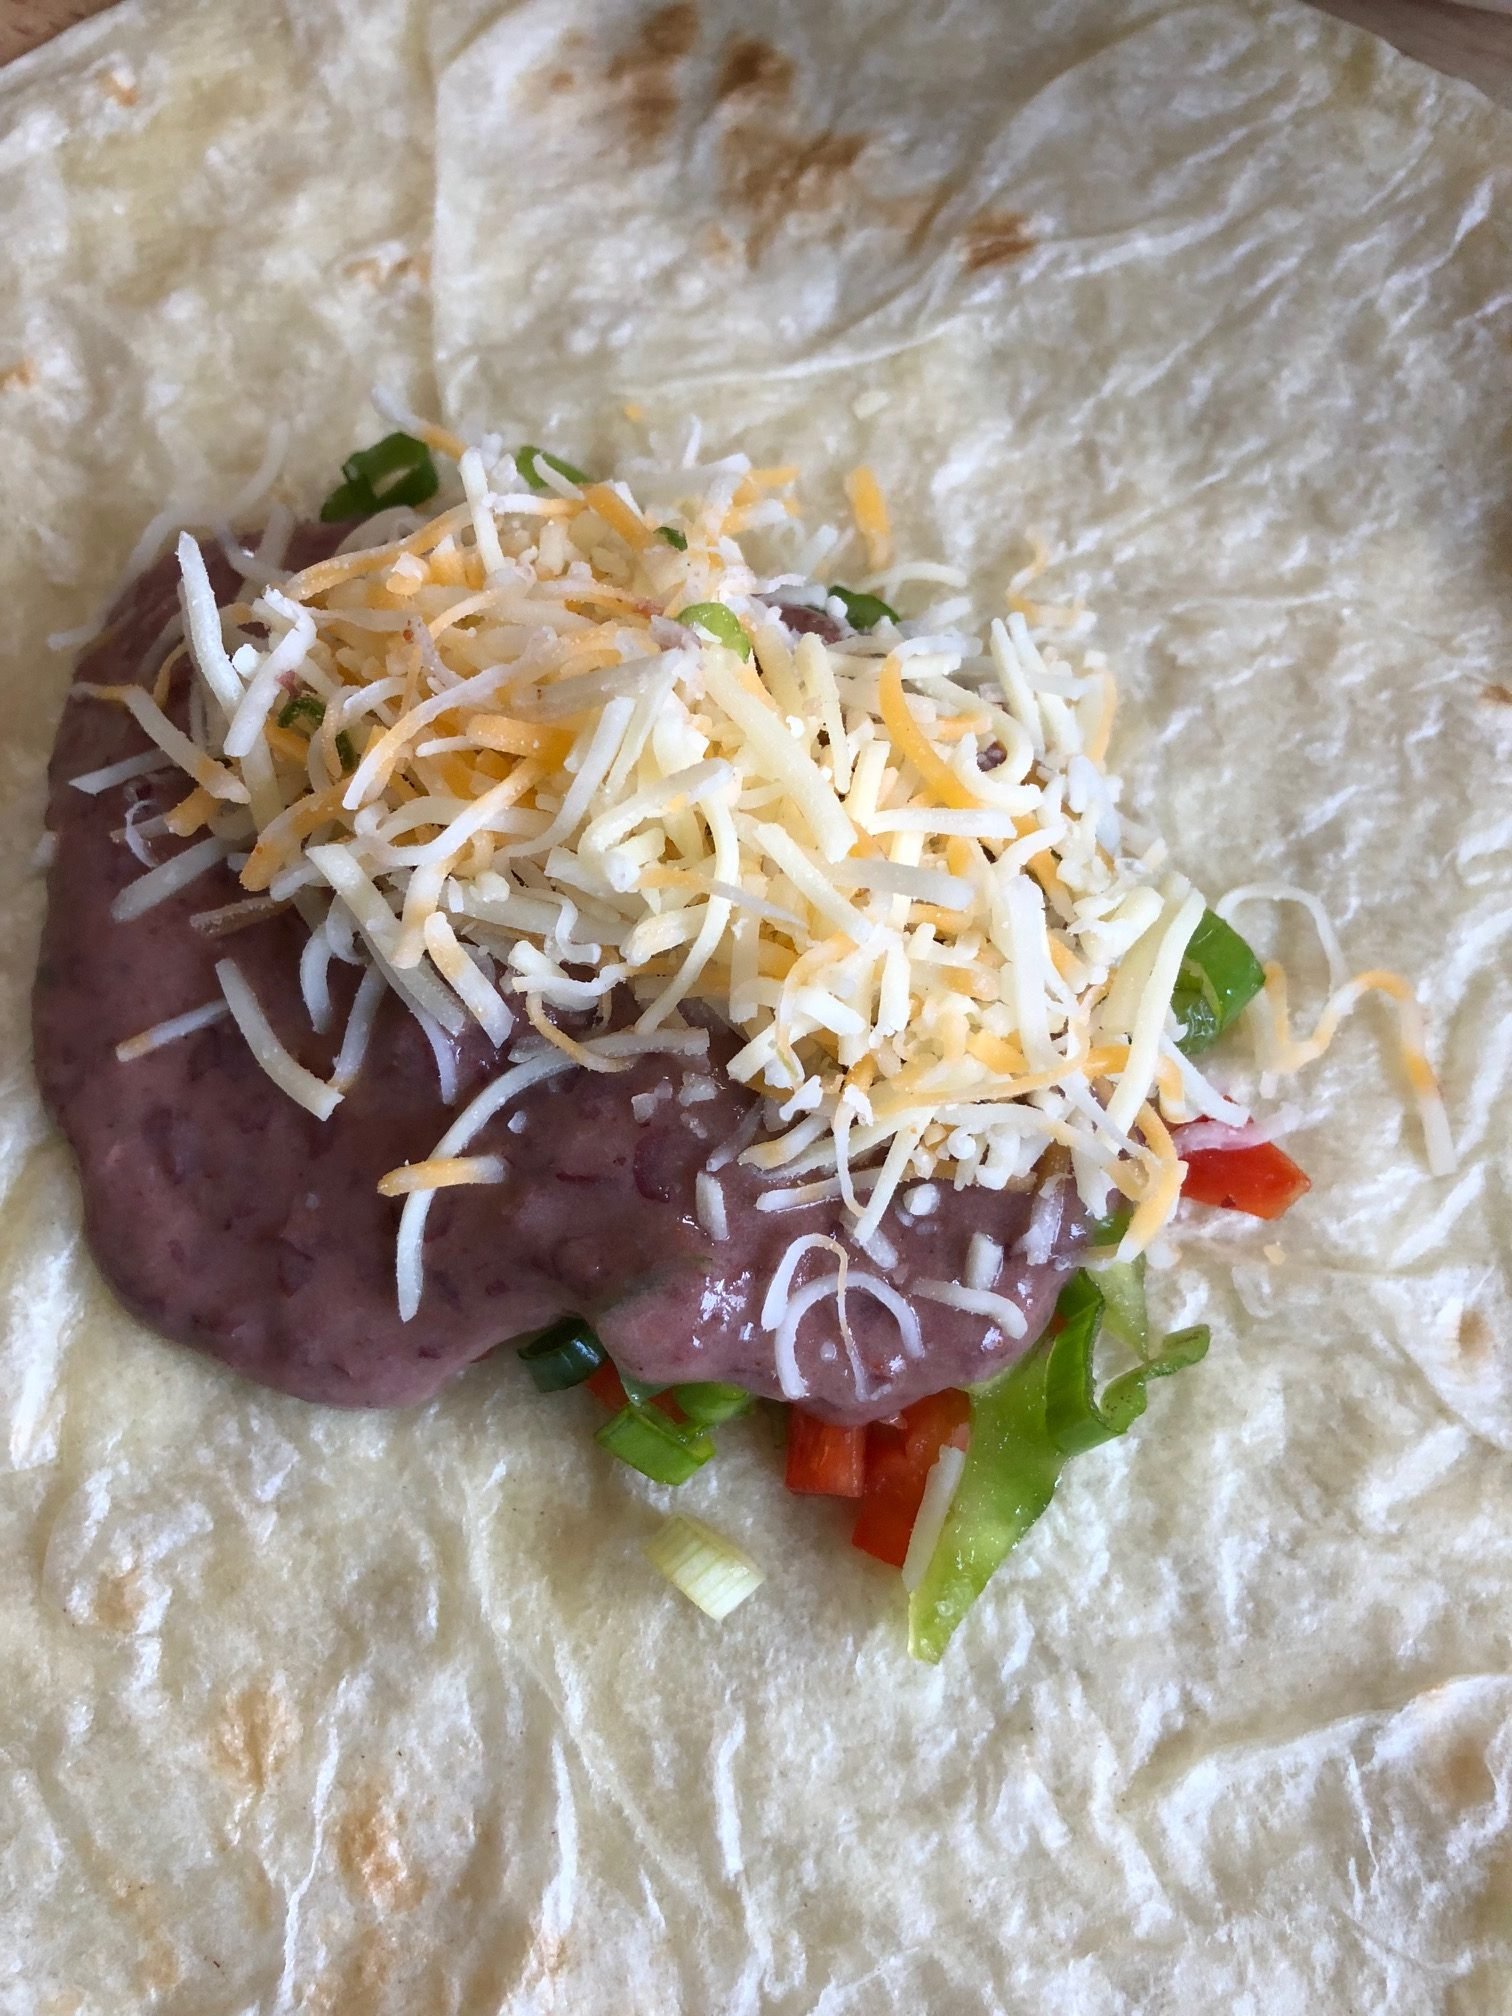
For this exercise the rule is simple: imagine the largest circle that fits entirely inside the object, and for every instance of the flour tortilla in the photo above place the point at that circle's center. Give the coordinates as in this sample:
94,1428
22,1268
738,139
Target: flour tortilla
306,1711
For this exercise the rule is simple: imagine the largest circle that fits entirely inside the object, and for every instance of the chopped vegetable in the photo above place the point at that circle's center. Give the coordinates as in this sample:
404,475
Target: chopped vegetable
722,624
526,459
303,707
709,1402
1074,1417
640,1390
1219,976
1262,1181
1024,1425
396,470
1110,1230
673,537
612,1390
563,1355
823,1458
708,1569
863,612
1122,1283
347,500
346,754
606,1387
664,1450
900,1455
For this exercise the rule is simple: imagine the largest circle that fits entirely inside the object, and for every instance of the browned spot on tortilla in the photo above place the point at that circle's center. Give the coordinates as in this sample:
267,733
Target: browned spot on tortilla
995,237
18,377
774,177
554,80
1474,1337
546,1958
643,71
255,1734
121,88
62,2005
159,1968
120,1600
158,1965
1464,1777
1496,696
753,65
376,271
352,1987
715,243
371,1854
671,31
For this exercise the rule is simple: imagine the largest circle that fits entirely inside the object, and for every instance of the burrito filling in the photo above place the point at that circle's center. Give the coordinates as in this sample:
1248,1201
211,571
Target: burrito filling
556,908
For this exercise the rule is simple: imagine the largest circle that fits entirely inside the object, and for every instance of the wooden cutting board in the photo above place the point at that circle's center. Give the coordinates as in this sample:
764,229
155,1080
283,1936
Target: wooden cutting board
1466,41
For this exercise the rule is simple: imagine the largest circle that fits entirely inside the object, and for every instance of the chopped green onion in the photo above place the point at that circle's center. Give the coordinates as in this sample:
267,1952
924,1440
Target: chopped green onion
346,754
1219,976
673,537
864,612
303,707
1024,1425
722,624
708,1569
526,459
396,470
563,1355
1122,1284
658,1447
1110,1230
639,1390
347,500
709,1403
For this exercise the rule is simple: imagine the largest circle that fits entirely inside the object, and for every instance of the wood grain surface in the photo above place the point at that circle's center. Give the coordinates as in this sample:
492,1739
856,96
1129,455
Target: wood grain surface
1473,41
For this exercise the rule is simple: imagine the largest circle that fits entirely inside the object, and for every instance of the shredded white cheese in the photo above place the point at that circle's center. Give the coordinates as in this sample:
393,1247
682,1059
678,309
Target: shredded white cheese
171,1030
521,783
287,1073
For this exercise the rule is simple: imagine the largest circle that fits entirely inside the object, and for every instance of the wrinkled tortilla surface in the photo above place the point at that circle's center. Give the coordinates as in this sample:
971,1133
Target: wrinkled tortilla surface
311,1712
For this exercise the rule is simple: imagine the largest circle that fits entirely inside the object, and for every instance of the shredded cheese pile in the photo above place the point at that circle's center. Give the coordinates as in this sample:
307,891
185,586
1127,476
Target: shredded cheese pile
489,761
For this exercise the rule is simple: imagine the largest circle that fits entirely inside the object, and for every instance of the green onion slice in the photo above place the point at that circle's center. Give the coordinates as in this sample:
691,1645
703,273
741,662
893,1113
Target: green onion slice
347,500
526,459
1219,976
1024,1426
661,1449
722,624
639,1390
562,1355
303,707
396,470
346,753
1110,1230
864,612
709,1570
709,1402
673,537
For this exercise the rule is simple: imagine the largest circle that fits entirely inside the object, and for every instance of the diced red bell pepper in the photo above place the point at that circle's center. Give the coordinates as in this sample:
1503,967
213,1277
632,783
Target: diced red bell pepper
605,1387
824,1458
1262,1181
899,1457
608,1389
